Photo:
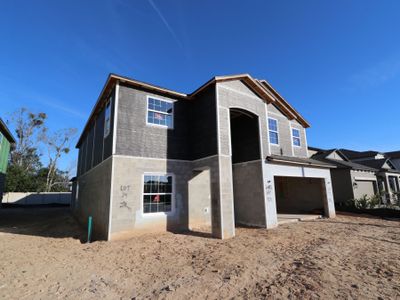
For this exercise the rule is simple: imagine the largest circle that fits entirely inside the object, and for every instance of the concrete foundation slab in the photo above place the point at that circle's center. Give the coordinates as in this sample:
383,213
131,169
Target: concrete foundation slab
291,218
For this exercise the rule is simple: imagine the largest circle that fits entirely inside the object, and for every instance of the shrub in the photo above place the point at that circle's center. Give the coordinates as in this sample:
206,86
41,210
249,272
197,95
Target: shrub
364,202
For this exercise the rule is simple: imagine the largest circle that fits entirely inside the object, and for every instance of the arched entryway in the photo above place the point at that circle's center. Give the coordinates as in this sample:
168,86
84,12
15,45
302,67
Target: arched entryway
248,192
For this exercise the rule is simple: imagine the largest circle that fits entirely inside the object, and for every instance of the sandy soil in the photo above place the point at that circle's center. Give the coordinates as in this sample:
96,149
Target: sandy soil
41,257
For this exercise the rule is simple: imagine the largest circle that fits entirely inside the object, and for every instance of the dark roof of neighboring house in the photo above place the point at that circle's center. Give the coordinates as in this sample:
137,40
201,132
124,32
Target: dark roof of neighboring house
341,164
378,164
300,161
315,148
352,154
6,132
393,154
260,87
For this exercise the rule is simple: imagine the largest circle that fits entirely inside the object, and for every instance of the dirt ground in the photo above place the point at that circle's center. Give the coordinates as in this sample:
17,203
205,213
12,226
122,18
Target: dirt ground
41,257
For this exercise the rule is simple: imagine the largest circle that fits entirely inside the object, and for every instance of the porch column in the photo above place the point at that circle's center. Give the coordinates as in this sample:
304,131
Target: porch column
329,203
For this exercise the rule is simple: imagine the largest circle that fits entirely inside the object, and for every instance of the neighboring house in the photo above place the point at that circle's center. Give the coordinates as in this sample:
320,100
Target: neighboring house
350,180
232,152
6,139
388,175
394,158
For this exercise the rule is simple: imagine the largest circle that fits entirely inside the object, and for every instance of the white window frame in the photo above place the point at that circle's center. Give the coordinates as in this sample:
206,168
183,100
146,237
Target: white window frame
107,133
295,137
159,112
161,213
270,130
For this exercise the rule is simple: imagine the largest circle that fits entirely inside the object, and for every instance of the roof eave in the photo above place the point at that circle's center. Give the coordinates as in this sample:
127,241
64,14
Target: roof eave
7,133
285,105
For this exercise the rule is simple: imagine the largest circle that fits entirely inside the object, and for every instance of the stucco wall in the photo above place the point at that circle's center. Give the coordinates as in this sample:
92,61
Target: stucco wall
37,198
199,199
271,170
93,190
236,95
127,195
285,126
249,194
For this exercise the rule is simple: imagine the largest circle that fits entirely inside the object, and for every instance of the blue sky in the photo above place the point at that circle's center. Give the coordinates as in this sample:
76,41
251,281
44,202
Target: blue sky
336,62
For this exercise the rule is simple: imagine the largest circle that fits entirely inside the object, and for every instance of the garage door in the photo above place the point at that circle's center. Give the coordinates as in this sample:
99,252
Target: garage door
364,187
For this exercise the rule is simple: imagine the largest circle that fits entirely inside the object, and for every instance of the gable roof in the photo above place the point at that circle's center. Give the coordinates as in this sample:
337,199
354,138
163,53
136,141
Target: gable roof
260,87
322,155
6,132
352,154
379,164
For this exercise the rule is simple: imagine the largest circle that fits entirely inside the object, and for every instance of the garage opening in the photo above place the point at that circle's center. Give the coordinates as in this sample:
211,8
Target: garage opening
299,198
247,176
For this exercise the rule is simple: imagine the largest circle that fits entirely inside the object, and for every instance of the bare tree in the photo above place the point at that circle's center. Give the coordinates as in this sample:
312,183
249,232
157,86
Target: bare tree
57,144
28,127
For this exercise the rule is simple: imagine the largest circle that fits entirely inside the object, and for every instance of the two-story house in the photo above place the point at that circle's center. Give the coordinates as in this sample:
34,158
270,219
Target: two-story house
231,152
6,139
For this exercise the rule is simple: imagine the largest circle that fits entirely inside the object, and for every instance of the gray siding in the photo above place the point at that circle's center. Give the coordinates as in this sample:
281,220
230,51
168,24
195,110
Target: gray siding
203,133
136,138
94,148
98,139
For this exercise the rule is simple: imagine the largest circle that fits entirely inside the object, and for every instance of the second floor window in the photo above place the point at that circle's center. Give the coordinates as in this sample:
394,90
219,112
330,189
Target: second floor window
296,137
107,120
273,131
160,112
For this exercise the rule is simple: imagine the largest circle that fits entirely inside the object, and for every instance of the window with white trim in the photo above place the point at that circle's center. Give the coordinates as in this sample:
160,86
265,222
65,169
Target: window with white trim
107,120
157,193
160,112
273,131
296,137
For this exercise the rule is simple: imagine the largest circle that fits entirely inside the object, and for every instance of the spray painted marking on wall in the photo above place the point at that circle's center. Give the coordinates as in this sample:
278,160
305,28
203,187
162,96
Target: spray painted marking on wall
124,191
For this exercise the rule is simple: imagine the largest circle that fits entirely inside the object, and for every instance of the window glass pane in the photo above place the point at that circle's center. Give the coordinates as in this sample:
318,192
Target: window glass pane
163,106
169,121
151,104
295,132
160,112
296,141
158,193
169,108
273,137
273,124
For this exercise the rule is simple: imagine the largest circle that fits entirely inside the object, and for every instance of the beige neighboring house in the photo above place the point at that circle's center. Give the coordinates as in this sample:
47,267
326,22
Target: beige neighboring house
350,180
388,176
